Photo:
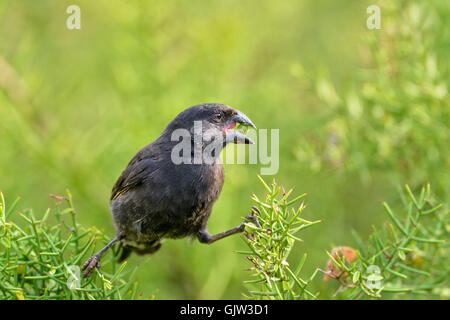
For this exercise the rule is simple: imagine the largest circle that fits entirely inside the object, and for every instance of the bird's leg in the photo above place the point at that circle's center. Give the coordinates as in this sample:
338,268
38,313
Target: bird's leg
205,237
94,261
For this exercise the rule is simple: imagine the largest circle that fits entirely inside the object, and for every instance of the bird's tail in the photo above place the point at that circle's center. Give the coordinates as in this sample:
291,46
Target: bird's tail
139,248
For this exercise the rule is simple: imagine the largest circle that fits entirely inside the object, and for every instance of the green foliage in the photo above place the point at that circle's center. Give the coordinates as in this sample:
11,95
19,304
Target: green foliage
270,241
407,255
395,113
40,258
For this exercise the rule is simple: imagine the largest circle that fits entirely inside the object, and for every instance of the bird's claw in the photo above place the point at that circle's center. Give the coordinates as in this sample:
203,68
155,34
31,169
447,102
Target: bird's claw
254,219
91,263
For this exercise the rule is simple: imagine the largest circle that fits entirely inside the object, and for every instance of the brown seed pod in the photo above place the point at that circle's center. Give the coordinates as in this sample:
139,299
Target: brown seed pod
332,271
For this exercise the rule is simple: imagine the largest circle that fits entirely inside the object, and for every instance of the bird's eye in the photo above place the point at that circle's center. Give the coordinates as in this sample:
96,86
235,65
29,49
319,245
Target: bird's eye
217,116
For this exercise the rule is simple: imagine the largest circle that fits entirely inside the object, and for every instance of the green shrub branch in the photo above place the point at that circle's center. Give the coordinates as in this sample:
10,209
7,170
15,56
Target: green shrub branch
407,255
40,258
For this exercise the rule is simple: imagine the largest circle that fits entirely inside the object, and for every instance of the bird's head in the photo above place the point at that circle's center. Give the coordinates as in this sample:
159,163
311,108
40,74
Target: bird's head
218,120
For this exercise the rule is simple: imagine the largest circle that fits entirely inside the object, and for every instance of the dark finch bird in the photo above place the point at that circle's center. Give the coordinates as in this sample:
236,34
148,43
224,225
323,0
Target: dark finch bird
156,197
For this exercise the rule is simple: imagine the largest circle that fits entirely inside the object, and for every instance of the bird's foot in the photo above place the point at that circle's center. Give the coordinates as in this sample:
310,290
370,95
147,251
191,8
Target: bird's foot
254,219
91,263
254,216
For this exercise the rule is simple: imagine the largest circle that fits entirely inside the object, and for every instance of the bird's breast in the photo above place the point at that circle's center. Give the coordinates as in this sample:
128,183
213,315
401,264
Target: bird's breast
173,204
200,190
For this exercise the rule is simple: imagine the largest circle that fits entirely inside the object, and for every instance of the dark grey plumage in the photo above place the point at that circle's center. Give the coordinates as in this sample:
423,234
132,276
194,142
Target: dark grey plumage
154,198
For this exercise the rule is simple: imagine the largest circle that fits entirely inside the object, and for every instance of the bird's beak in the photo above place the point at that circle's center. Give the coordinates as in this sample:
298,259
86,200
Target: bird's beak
236,136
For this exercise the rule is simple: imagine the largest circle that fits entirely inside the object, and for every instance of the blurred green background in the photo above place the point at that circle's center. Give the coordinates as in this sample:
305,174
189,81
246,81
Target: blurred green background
360,111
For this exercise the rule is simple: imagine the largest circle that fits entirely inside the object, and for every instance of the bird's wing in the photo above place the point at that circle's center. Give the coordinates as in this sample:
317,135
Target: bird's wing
137,171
